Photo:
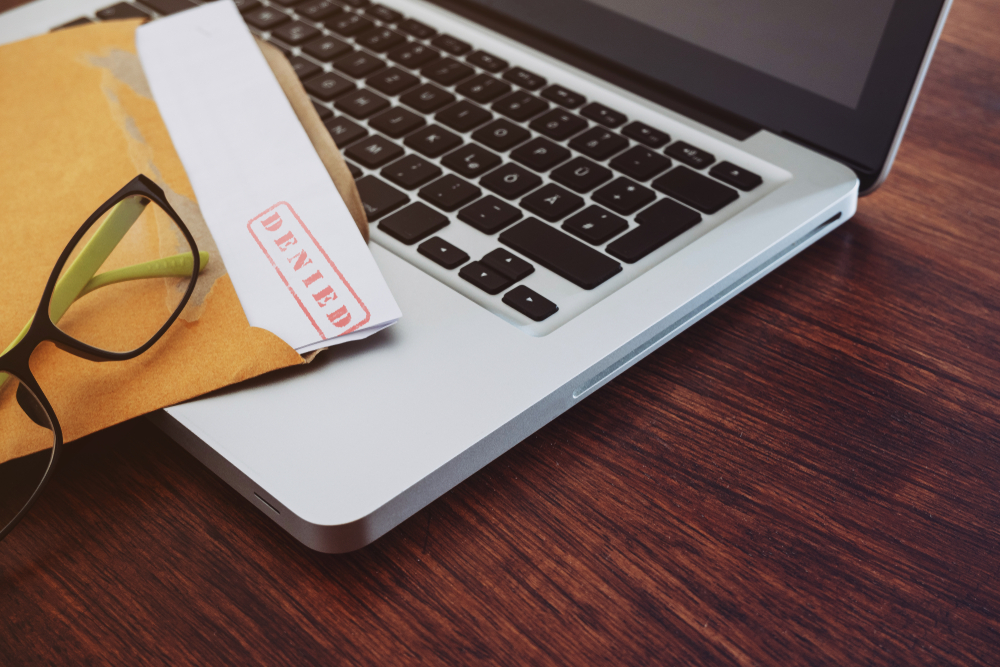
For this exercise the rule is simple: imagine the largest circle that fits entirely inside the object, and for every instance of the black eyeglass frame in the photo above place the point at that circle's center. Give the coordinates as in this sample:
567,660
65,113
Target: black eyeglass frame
42,329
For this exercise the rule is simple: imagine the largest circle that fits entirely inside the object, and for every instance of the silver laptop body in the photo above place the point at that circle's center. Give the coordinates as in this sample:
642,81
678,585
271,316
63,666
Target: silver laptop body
343,450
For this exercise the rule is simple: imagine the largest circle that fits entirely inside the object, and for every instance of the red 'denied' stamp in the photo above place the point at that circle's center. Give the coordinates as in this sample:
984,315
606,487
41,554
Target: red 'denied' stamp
314,281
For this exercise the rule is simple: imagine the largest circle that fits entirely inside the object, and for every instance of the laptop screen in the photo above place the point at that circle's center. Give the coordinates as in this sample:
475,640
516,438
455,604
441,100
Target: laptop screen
832,74
825,46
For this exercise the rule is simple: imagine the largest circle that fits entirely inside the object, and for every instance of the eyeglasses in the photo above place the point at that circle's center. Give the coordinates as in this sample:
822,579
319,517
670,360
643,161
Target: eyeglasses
118,286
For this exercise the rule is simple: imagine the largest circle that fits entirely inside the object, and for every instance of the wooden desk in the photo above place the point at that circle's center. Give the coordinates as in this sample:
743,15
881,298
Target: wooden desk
809,476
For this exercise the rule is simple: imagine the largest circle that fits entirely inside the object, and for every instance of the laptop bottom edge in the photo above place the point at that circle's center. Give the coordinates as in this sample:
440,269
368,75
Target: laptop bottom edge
342,538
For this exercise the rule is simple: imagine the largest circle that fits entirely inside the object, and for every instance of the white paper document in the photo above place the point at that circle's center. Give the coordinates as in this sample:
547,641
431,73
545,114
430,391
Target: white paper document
300,268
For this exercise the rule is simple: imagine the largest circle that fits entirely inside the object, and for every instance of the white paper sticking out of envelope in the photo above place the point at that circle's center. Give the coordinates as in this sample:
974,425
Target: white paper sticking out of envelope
299,266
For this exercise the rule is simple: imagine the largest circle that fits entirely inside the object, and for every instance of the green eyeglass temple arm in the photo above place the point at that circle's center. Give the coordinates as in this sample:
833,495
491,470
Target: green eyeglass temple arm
177,265
79,279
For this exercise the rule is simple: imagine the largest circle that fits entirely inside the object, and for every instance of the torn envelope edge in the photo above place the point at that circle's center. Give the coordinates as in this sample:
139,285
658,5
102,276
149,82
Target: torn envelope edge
242,151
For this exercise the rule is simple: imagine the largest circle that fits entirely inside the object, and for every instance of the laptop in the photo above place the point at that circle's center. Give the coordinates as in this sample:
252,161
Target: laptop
556,188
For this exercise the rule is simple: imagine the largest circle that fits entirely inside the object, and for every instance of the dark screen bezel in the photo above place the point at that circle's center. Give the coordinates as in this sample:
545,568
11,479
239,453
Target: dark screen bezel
741,98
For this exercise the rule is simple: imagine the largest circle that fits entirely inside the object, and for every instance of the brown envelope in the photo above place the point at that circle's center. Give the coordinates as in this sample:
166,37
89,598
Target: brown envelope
77,122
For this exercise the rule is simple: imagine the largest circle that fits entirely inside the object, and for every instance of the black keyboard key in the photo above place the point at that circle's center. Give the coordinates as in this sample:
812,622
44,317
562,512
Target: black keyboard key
411,172
501,134
470,161
318,10
662,222
323,112
380,40
345,131
736,176
603,115
624,196
414,223
598,143
378,198
489,215
485,278
558,124
417,29
396,122
361,103
690,155
326,49
83,20
505,262
374,152
530,303
595,225
667,212
695,190
383,13
287,3
358,64
455,47
524,78
244,5
640,163
356,3
392,81
644,134
581,265
510,181
168,7
295,33
483,88
433,141
354,169
303,68
447,71
443,252
520,106
122,10
551,202
563,96
413,55
263,18
540,154
581,174
348,24
639,242
450,192
463,116
427,98
487,61
328,86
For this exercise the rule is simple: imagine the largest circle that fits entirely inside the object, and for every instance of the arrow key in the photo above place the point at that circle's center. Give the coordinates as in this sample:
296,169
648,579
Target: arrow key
442,252
508,264
530,303
484,277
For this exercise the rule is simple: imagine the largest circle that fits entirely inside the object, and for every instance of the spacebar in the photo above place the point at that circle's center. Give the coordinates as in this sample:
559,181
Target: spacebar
560,253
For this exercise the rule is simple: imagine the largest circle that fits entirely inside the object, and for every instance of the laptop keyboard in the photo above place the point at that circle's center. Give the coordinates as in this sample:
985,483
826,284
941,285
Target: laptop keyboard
513,189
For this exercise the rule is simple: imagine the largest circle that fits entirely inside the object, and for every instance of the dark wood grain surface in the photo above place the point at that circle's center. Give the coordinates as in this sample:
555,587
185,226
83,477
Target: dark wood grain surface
811,475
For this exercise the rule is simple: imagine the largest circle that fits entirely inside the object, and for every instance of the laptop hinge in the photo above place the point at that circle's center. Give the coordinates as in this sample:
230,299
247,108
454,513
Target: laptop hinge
865,174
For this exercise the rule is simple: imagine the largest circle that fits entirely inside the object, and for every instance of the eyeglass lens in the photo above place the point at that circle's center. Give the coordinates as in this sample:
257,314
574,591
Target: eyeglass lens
27,437
124,279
